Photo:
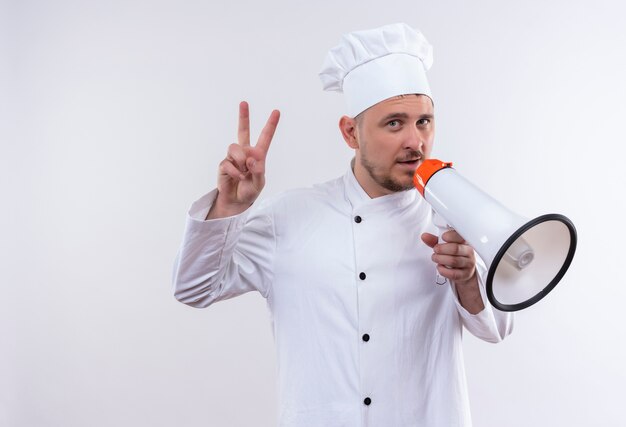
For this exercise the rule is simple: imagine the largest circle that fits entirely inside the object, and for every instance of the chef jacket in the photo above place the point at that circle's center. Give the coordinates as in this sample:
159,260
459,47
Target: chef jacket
364,335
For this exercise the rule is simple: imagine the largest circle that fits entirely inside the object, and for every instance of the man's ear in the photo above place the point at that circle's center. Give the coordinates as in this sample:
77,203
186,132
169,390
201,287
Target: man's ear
348,128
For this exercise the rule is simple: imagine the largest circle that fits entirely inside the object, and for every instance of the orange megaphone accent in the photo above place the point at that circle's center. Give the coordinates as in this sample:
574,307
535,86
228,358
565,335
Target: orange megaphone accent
428,168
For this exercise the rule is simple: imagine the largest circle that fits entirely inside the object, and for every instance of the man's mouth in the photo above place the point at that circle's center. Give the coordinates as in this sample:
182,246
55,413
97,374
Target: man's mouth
410,162
412,156
411,159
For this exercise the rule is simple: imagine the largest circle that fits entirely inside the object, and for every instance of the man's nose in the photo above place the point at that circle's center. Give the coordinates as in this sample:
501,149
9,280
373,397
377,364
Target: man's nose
414,140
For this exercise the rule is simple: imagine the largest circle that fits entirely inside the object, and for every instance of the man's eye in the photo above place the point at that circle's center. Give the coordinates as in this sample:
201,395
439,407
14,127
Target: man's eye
393,124
423,122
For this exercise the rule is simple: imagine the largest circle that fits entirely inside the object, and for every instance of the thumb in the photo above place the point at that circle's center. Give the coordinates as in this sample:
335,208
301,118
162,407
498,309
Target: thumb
255,163
251,165
430,239
257,171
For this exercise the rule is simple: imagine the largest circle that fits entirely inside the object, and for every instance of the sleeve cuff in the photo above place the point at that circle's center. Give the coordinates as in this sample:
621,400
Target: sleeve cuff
201,207
487,324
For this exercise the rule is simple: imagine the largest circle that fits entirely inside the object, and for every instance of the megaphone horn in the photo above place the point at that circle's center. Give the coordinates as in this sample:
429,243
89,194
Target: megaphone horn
525,258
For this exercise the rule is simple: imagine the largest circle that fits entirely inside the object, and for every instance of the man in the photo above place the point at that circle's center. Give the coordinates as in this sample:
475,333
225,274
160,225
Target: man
364,335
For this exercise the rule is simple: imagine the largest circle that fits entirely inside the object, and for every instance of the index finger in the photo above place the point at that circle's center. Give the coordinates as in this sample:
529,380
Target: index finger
454,249
243,133
265,138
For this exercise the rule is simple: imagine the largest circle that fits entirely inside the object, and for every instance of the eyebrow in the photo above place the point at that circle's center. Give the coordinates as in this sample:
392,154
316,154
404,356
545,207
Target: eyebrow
405,116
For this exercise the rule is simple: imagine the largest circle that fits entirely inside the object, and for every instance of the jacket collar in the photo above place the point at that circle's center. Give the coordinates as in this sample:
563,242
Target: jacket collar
358,198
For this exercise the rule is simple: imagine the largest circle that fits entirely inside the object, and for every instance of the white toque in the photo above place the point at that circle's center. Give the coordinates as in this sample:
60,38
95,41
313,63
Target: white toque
373,65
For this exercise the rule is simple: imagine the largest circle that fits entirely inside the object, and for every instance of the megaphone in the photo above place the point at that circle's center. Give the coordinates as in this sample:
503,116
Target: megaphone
525,258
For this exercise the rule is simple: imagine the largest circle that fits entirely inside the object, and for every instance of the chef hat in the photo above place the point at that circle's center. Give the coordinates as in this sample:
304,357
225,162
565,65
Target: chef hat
373,65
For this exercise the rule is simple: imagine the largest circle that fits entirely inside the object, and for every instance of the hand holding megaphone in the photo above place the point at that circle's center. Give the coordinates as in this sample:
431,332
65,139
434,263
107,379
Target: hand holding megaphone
442,227
525,258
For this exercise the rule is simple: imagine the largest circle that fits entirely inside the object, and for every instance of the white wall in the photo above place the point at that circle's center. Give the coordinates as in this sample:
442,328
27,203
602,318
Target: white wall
115,114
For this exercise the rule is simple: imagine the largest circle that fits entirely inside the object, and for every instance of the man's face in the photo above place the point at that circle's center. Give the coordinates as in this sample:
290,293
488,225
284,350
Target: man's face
393,138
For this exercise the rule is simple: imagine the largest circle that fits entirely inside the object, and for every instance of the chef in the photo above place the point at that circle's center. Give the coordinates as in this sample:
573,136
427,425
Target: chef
365,335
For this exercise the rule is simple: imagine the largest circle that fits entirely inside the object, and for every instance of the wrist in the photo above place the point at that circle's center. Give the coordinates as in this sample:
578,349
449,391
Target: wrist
222,209
469,295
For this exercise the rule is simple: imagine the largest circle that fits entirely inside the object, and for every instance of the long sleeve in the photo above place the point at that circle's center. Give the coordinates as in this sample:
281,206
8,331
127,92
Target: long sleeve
223,258
490,325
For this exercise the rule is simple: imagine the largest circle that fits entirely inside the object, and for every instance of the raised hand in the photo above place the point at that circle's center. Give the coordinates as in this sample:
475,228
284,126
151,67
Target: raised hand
241,175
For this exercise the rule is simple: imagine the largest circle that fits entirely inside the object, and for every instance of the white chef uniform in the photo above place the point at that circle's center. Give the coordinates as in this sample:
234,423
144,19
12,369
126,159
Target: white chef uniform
364,335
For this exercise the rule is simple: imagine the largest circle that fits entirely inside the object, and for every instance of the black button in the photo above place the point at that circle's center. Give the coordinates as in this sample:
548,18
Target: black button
357,219
367,401
362,276
366,337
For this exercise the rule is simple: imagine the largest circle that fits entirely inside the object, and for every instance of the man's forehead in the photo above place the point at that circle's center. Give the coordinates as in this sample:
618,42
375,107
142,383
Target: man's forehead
413,104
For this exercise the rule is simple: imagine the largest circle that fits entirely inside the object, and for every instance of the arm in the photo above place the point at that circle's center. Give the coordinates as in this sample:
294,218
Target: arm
223,254
223,258
457,262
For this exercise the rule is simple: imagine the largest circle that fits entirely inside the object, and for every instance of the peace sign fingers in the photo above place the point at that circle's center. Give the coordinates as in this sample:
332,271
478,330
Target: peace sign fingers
241,175
243,133
265,138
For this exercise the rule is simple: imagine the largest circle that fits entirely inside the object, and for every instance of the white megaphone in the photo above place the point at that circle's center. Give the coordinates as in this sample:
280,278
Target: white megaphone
525,259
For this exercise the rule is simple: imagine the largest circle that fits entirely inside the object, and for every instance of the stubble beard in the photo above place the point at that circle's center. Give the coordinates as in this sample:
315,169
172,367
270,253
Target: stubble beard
386,180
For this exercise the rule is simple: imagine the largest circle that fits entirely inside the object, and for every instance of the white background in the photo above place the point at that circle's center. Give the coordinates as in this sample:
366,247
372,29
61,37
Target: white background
115,114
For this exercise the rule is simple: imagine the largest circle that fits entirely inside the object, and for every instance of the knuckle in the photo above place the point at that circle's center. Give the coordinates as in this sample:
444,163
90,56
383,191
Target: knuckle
235,150
226,163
